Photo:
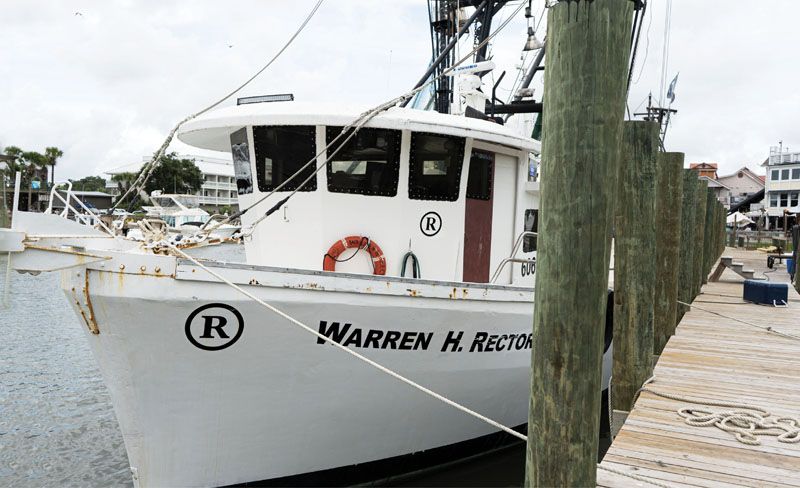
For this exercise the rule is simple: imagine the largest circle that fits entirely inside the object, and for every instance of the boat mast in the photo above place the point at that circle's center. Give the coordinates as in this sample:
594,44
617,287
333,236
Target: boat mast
445,33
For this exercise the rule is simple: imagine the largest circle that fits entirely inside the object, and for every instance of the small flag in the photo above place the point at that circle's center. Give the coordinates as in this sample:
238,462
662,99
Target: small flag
671,91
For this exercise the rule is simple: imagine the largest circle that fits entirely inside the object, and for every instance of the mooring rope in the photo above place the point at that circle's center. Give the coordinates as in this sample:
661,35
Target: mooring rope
386,370
767,328
636,477
349,351
746,422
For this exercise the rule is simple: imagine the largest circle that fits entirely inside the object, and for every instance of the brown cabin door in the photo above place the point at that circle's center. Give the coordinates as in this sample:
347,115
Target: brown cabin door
478,217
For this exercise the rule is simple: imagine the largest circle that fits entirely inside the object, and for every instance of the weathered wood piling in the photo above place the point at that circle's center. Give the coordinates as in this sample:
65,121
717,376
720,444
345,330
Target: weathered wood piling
634,261
699,236
588,45
669,210
686,270
710,234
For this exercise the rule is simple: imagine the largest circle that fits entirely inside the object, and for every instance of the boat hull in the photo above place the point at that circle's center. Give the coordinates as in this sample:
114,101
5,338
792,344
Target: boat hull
277,401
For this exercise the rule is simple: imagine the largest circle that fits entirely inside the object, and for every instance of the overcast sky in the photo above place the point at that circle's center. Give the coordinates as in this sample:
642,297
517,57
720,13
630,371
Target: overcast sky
106,80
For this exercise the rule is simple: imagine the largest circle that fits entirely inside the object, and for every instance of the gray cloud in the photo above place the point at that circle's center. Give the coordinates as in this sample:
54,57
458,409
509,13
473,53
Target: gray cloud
107,85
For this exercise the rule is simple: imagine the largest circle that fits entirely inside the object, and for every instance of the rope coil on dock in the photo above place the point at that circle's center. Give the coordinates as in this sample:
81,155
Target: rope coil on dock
745,422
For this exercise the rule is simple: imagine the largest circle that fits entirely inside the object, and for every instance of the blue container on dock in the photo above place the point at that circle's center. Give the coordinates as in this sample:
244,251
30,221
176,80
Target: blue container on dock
766,293
790,266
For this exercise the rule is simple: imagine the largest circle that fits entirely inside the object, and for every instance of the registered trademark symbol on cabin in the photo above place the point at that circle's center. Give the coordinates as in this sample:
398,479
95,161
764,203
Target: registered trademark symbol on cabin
430,224
214,326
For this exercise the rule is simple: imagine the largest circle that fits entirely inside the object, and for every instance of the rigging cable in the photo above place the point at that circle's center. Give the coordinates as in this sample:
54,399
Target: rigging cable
635,36
646,47
148,169
356,125
665,51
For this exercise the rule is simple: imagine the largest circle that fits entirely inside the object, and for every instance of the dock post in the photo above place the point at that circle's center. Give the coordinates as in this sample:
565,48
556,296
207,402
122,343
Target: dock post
634,262
5,221
685,272
724,224
699,235
721,233
588,46
669,200
711,232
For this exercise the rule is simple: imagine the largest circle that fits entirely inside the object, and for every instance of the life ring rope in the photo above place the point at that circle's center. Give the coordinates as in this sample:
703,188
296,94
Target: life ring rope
359,243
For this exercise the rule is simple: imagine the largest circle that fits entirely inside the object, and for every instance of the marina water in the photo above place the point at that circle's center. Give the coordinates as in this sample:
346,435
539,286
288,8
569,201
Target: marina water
57,426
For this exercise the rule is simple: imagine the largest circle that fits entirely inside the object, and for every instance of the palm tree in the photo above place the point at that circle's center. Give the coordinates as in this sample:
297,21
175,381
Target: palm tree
17,164
51,155
34,162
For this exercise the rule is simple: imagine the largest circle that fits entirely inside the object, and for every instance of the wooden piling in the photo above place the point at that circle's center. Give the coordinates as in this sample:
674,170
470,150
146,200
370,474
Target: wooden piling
722,216
685,271
669,207
723,223
634,261
588,45
5,221
710,233
699,235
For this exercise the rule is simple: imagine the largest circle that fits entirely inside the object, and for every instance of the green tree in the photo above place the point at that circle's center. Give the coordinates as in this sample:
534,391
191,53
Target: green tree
35,163
123,181
174,175
89,183
51,155
17,164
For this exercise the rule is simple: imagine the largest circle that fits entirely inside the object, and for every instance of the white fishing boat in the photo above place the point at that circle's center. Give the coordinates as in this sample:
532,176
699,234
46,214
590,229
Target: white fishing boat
183,215
412,243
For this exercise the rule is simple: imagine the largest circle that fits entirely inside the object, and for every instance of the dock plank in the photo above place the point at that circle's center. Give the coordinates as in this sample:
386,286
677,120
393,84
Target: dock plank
719,359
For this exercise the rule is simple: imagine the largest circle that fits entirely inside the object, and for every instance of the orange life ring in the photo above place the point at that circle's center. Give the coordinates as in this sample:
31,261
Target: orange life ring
358,242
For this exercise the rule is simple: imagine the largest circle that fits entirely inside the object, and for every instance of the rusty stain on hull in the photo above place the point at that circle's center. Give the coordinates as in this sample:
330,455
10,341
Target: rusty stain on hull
88,314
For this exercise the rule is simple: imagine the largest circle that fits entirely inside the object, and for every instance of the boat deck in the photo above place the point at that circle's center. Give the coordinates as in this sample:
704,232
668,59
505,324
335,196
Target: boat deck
715,358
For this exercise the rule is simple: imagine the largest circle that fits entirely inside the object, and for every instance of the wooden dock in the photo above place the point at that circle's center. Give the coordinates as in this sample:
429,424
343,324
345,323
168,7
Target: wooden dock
715,358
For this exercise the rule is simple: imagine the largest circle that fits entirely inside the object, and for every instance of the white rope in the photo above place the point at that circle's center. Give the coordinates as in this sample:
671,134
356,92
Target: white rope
147,171
636,477
386,370
351,352
745,422
762,327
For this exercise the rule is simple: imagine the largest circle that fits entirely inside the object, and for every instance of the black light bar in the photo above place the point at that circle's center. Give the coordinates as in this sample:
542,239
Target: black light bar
281,97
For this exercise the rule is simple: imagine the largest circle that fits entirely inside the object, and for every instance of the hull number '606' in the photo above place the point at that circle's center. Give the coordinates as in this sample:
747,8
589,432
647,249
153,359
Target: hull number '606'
528,269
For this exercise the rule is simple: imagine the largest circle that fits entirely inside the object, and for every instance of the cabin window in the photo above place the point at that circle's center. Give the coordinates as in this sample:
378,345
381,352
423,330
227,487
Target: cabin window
796,174
368,164
479,180
240,152
785,174
435,167
531,225
280,153
775,175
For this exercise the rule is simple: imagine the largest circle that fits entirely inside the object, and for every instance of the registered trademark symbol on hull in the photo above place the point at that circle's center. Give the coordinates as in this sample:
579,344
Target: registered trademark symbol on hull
430,224
214,326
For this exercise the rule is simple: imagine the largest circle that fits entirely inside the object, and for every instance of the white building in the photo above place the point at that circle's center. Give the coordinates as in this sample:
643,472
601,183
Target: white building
219,187
721,192
741,184
783,182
